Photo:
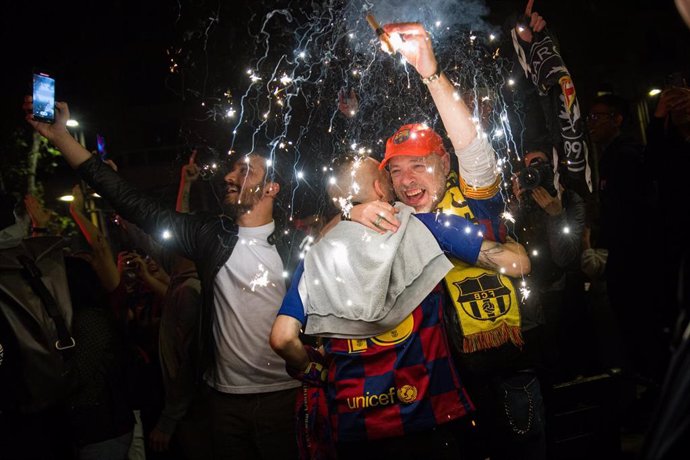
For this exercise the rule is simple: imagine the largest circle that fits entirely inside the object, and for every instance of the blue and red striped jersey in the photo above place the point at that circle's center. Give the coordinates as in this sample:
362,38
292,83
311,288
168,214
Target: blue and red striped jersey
396,383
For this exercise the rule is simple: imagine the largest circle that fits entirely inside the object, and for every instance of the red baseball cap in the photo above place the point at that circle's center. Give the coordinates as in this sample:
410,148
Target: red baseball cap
417,140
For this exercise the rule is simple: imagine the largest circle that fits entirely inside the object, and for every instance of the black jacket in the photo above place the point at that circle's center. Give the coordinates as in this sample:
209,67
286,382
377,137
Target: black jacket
208,240
557,251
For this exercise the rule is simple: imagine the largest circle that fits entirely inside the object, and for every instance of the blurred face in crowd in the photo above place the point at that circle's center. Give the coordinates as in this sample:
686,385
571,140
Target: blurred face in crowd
245,183
603,123
419,182
531,156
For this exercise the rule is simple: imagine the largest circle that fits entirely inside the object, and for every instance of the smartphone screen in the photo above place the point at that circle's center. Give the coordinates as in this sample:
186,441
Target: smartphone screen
44,98
100,147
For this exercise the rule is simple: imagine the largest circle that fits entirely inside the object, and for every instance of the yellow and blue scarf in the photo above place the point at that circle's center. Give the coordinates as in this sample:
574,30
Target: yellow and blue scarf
485,300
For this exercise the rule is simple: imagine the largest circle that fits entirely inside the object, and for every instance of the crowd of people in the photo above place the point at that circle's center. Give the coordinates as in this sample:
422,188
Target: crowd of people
430,317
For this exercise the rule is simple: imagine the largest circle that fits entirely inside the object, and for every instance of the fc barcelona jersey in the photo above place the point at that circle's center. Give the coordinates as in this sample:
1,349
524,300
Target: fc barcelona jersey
398,382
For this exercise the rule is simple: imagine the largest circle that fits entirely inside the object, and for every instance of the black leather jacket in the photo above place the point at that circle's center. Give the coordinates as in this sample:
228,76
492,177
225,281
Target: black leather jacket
208,240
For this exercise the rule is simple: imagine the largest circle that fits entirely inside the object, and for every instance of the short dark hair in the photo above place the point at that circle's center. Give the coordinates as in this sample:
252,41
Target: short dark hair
617,104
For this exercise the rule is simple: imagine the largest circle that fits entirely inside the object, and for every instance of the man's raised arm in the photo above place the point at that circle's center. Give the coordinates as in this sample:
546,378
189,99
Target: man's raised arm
129,202
477,160
57,133
417,50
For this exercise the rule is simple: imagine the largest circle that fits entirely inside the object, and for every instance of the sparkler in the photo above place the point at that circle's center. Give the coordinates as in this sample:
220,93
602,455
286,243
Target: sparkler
386,44
286,93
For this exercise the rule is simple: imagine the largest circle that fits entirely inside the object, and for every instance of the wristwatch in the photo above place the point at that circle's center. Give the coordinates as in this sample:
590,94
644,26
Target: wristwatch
433,77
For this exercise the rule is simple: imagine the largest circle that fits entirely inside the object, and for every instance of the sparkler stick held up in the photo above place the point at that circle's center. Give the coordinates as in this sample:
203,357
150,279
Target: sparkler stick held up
386,44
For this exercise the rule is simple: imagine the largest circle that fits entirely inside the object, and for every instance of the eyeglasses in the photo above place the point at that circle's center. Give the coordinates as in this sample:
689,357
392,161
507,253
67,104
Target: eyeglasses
595,116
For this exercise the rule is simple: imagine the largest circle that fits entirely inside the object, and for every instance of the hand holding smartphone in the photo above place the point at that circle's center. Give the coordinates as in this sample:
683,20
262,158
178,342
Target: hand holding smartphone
43,98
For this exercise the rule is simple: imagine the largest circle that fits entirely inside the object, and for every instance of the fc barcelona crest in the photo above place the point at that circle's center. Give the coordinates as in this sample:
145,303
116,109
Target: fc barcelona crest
401,136
484,297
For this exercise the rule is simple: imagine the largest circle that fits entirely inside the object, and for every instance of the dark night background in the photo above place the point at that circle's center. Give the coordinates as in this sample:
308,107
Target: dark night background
111,64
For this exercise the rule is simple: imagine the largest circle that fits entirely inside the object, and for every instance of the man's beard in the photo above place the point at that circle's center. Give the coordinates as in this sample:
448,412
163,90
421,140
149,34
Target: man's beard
435,197
243,206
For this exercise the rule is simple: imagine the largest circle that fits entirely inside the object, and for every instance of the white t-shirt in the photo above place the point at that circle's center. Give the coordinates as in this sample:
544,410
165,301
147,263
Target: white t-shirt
248,291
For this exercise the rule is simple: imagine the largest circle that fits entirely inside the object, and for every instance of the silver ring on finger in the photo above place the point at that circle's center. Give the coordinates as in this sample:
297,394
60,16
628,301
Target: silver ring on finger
378,220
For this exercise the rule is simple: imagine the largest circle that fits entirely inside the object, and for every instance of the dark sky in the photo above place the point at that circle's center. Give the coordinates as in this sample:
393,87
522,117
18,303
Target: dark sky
106,56
109,56
110,61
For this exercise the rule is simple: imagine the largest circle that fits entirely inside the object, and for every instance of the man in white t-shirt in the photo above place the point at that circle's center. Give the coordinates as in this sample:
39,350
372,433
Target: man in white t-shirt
243,262
252,398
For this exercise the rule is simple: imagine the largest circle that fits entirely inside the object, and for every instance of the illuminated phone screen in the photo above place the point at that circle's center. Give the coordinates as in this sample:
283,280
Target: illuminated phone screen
100,146
44,98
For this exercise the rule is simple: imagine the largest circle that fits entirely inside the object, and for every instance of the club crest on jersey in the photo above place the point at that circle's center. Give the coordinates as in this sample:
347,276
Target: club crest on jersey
484,297
407,394
397,335
568,90
401,136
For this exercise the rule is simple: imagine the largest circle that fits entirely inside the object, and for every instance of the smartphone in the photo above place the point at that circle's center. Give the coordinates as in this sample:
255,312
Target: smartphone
44,98
100,147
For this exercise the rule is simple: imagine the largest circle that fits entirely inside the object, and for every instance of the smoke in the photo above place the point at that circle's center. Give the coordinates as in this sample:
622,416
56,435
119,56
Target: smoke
306,53
433,14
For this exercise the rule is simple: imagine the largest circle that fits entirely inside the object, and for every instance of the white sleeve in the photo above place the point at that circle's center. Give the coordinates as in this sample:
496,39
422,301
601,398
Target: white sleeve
477,163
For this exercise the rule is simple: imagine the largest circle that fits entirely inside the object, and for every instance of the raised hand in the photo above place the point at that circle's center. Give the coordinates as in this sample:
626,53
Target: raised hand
191,171
125,260
551,204
40,216
673,100
139,262
57,133
413,42
536,24
111,163
348,103
47,130
528,8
